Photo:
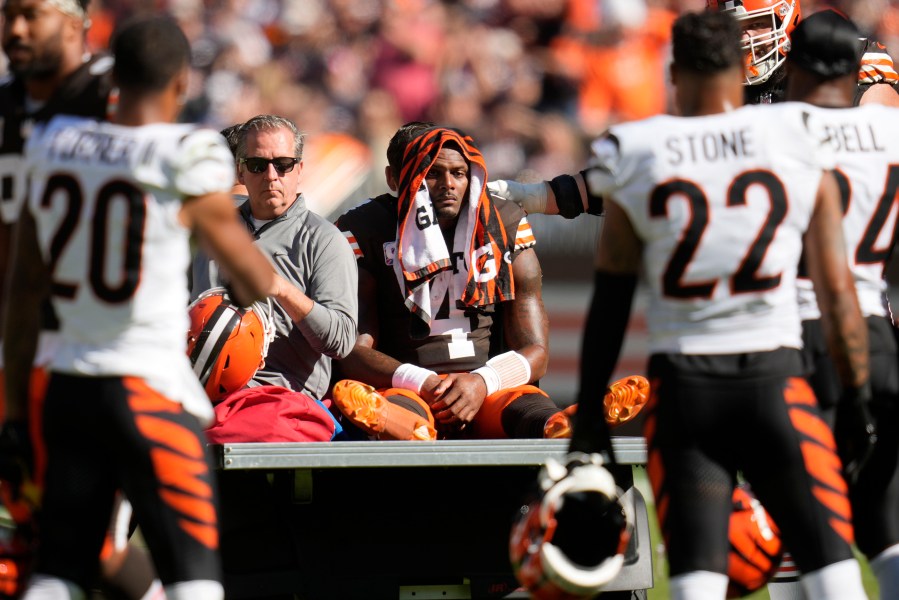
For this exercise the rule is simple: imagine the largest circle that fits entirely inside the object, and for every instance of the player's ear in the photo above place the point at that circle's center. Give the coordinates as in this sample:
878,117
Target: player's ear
181,83
391,179
74,28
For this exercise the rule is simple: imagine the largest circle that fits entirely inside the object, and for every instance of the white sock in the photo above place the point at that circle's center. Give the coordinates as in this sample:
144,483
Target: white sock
788,590
195,590
784,585
839,581
155,591
44,587
886,567
698,585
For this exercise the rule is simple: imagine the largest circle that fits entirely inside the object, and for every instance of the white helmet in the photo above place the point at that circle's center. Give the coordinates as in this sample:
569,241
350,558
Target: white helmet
569,543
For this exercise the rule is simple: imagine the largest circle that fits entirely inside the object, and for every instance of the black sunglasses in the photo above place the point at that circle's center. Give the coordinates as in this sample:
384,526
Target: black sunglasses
283,164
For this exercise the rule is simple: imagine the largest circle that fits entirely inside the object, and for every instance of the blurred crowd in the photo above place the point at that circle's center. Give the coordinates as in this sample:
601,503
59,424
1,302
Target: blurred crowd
531,80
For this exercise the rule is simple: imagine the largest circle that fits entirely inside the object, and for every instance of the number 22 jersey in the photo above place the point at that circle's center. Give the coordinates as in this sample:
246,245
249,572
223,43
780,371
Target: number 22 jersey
720,203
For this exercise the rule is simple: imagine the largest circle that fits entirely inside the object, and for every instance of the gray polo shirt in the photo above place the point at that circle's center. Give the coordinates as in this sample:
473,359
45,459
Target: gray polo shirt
312,254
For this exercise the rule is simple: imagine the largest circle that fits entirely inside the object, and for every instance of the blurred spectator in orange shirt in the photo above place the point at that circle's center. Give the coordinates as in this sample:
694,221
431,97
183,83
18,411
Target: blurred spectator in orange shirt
617,50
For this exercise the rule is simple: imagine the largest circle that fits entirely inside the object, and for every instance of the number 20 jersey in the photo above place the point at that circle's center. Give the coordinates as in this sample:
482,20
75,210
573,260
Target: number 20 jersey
720,203
106,200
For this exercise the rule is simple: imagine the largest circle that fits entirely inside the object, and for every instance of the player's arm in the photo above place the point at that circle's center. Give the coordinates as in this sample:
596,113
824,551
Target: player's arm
880,93
525,323
618,259
330,324
367,364
526,332
844,326
877,76
28,284
825,253
297,304
213,218
566,195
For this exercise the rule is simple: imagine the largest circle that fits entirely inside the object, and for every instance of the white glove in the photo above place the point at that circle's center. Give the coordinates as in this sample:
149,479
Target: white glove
530,196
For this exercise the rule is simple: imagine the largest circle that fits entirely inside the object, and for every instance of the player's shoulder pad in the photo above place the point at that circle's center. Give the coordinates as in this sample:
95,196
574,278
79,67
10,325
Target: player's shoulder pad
203,163
368,212
201,144
510,212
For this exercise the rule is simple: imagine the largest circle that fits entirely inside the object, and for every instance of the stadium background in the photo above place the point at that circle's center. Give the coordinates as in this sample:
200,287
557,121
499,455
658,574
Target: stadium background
533,81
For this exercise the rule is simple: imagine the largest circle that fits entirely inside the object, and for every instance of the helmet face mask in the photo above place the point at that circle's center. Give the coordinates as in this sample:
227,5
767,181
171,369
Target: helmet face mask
227,343
569,542
767,25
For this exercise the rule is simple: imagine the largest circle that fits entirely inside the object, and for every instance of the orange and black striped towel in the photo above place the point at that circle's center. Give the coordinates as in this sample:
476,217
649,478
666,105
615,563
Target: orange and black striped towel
422,253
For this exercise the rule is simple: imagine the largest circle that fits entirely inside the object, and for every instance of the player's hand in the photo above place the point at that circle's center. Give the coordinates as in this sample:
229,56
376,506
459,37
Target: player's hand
459,397
530,196
855,431
429,388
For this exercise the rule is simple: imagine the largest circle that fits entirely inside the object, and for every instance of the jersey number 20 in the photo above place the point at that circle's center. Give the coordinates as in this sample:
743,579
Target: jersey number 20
66,187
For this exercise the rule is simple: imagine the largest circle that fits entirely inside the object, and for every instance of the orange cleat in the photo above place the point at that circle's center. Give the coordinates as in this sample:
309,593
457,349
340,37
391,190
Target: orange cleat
623,400
559,425
377,416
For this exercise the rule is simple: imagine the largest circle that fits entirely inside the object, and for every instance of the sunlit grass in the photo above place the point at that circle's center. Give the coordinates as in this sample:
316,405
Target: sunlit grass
659,590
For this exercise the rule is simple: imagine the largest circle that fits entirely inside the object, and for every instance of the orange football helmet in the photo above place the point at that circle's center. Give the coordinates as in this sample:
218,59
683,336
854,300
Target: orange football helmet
772,22
755,545
226,343
569,542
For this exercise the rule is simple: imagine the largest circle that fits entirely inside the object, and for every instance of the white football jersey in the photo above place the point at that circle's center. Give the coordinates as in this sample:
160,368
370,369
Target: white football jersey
106,200
720,204
865,143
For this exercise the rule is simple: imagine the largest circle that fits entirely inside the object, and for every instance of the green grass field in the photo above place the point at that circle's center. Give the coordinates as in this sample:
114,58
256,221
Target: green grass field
660,564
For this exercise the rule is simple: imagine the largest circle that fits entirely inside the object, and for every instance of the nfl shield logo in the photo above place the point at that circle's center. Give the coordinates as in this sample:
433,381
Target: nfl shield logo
389,253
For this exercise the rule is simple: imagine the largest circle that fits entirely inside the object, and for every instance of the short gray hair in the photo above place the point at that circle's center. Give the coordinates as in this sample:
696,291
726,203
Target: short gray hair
266,122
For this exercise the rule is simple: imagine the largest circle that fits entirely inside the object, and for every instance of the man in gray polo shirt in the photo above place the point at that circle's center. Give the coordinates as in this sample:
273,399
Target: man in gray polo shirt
315,310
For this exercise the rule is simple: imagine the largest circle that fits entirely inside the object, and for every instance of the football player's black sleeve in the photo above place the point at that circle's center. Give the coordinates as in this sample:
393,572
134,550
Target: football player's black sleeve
603,336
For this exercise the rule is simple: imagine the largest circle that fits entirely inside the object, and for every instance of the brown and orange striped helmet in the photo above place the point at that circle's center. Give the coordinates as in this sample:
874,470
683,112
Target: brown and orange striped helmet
767,25
226,343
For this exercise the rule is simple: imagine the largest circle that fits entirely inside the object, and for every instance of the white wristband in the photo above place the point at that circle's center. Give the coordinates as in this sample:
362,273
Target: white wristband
410,377
506,370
